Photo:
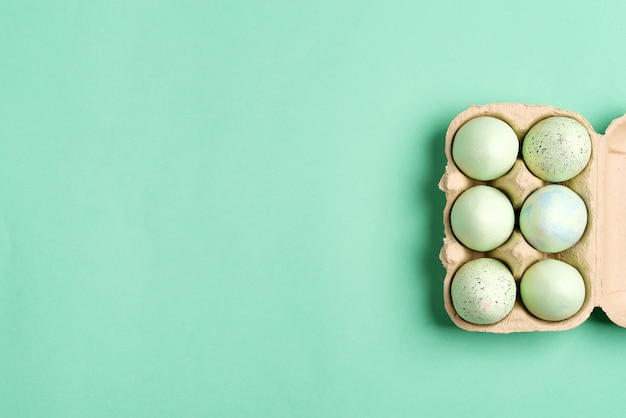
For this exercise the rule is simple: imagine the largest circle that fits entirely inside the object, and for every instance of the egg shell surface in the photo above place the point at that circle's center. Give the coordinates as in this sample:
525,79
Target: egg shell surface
483,291
552,290
482,218
556,149
553,218
485,148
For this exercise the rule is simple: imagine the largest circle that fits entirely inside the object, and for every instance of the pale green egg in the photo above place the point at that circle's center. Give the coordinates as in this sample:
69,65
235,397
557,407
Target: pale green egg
556,149
483,291
482,218
552,290
485,148
553,218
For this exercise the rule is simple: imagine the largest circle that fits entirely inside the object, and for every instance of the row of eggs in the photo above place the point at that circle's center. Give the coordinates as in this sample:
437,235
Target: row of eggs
555,149
484,291
552,219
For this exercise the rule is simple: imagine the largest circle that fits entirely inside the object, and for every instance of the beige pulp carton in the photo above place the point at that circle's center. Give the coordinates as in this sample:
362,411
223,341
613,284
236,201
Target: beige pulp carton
600,255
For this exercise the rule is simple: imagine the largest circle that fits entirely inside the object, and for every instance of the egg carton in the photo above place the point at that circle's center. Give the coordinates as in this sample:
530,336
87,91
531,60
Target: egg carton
597,255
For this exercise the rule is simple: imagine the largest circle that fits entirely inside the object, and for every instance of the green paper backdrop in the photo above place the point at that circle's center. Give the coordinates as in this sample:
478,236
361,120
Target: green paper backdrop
230,208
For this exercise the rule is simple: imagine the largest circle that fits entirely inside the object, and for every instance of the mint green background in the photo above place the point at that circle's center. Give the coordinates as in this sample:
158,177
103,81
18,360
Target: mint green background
230,209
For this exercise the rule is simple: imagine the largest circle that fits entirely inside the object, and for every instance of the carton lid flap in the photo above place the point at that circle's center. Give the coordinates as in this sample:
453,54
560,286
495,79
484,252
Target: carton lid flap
611,208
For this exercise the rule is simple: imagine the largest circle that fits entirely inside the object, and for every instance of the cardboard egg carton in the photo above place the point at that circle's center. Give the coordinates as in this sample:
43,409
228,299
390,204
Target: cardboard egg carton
597,256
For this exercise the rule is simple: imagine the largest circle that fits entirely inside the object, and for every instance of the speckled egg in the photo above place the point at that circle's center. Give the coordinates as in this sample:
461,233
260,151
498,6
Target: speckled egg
482,218
485,148
552,290
553,218
556,149
483,291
